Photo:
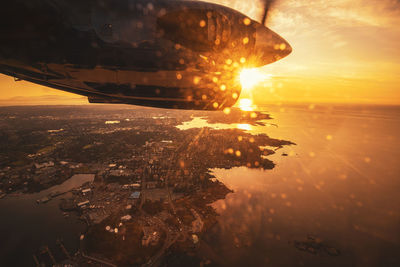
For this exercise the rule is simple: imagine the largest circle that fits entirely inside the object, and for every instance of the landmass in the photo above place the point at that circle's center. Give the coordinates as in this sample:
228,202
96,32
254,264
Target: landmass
152,189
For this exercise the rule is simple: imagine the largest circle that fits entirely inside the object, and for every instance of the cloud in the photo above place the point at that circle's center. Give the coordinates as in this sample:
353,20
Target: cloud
340,47
333,41
379,13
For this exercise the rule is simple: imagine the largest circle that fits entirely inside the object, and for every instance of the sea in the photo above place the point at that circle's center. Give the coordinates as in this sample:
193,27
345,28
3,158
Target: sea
331,200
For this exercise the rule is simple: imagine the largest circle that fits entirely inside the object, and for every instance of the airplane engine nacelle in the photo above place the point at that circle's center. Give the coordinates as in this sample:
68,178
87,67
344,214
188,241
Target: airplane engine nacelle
165,53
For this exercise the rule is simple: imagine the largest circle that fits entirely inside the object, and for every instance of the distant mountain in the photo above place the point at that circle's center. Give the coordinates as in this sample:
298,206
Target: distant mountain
44,100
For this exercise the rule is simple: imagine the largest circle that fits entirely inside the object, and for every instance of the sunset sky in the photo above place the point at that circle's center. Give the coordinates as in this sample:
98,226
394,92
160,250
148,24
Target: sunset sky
344,51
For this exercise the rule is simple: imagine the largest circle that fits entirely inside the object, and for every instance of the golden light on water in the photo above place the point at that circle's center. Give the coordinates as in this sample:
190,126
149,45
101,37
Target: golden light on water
246,104
249,79
244,126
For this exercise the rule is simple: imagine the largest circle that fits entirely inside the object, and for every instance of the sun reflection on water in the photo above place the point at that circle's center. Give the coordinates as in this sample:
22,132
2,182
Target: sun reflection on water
199,122
246,104
244,126
249,79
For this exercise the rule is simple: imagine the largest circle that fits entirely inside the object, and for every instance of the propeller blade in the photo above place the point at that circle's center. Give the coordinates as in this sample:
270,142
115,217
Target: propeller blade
267,6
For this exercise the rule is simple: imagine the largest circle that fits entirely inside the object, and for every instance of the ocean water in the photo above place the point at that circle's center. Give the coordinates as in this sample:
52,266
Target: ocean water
332,201
27,226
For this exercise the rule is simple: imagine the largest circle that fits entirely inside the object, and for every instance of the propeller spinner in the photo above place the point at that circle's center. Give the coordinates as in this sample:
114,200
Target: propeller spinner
269,46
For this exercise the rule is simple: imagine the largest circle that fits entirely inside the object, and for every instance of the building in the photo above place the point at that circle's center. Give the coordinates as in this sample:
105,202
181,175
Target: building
135,195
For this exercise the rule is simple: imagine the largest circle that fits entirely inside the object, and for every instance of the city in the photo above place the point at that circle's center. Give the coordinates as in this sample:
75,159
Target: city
141,185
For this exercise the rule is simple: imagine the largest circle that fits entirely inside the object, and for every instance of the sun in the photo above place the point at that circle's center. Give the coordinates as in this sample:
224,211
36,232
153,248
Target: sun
251,77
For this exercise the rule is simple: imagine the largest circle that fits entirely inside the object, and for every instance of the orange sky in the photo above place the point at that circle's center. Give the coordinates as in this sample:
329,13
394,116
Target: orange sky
344,51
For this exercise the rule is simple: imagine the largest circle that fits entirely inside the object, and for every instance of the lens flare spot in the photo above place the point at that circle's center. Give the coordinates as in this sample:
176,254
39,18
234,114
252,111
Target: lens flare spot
247,21
182,164
196,79
202,23
227,111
